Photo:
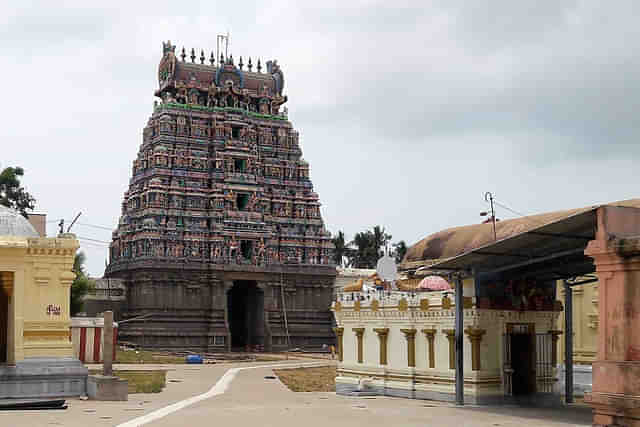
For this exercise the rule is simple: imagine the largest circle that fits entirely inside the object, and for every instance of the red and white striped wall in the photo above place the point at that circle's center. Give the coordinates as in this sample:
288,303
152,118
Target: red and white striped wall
88,339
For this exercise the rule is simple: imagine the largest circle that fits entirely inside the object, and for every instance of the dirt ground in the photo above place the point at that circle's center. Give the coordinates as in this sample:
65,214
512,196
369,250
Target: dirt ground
309,379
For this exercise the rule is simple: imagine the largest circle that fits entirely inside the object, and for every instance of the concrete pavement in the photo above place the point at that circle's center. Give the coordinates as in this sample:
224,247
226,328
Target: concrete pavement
252,400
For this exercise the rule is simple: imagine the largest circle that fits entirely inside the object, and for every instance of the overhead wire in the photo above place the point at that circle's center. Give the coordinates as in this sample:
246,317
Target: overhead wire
93,240
525,216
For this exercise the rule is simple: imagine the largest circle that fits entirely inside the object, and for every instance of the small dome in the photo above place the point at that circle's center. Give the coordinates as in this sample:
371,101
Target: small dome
14,224
434,283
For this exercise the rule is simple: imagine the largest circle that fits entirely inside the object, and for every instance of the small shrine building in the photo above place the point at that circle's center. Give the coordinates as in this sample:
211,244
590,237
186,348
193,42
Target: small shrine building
35,279
496,339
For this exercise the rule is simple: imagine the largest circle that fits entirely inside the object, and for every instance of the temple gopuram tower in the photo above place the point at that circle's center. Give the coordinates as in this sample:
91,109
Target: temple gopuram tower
221,243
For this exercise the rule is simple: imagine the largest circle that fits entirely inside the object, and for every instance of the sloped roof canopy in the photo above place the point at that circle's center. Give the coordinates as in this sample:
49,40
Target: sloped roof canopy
550,245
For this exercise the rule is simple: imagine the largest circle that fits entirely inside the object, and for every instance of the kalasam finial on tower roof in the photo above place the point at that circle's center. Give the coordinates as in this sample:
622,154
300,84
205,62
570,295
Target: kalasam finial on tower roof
240,64
168,47
202,58
193,55
259,67
212,59
249,65
183,54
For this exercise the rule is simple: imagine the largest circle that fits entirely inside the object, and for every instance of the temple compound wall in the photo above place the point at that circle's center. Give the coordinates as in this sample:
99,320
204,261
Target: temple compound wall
221,243
403,344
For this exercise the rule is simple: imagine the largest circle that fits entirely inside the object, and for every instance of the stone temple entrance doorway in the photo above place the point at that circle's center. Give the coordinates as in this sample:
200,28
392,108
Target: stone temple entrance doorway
520,360
4,325
245,303
524,374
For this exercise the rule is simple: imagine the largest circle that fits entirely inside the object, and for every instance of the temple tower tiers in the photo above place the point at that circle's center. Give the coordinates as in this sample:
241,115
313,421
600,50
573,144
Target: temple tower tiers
221,243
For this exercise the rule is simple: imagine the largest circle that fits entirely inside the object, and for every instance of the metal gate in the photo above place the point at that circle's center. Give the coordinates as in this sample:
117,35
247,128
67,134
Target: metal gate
544,366
544,374
507,370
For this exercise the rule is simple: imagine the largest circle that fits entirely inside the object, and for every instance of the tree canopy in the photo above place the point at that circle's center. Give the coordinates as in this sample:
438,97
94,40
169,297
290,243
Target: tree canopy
12,195
340,248
81,284
366,248
400,250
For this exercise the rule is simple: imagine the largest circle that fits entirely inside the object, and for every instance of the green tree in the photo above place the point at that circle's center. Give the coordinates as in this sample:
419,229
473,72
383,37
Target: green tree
400,250
12,195
380,239
81,284
369,245
364,252
340,248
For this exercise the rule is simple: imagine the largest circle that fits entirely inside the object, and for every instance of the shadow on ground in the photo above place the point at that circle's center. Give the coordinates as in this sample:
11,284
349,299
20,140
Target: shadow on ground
575,414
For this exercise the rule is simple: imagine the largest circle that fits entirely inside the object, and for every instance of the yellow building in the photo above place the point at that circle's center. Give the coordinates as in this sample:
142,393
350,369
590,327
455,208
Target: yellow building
585,335
35,279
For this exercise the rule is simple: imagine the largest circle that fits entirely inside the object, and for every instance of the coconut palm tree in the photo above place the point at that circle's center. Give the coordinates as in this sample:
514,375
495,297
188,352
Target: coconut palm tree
340,248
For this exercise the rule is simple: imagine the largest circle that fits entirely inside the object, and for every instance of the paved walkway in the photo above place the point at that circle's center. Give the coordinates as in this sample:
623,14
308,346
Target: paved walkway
251,400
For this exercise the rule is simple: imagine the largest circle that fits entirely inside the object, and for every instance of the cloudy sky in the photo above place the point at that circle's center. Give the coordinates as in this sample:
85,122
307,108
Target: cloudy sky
408,111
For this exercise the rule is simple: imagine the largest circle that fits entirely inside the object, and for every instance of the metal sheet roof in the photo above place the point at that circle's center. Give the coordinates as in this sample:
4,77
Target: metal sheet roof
557,247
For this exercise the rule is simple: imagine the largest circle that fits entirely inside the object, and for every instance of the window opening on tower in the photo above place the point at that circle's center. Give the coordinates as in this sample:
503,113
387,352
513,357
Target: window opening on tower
242,201
246,249
240,165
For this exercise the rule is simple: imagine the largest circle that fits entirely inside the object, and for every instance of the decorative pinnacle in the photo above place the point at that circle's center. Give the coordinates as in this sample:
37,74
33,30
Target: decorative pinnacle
202,57
249,65
212,60
182,55
240,64
193,55
231,59
259,67
221,59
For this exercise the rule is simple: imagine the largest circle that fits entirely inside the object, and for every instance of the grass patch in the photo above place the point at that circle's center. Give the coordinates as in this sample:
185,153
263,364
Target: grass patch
142,356
308,379
141,381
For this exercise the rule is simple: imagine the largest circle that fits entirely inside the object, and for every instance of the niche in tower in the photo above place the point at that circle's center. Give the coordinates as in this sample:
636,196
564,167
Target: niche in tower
246,249
240,165
242,200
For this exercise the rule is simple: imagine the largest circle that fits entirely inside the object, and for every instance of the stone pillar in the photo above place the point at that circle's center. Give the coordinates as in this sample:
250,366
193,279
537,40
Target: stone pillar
475,336
228,284
431,335
410,335
451,336
383,334
339,334
615,398
359,334
107,349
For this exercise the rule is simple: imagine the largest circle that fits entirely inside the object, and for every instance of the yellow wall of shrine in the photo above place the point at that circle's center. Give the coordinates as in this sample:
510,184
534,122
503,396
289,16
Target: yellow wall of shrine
585,322
35,277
